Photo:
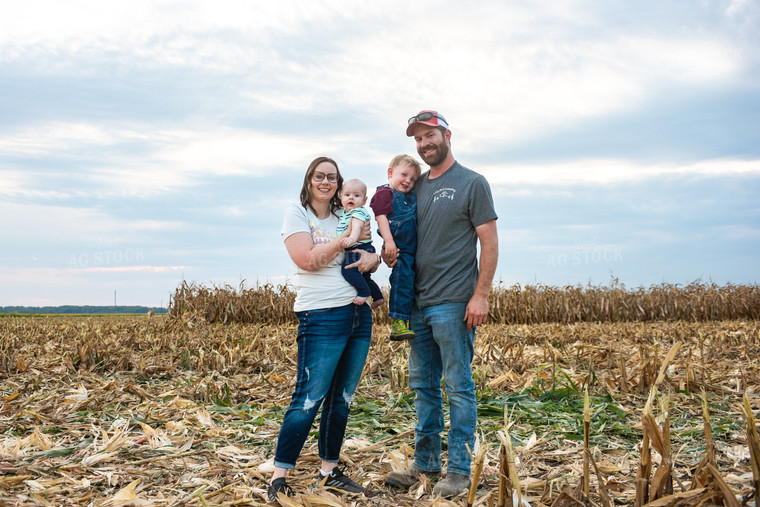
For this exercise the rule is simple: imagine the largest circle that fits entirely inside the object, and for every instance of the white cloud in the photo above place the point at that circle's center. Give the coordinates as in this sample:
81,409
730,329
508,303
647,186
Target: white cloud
61,138
737,232
45,286
185,157
13,182
610,171
130,269
66,225
38,276
740,8
672,59
520,75
176,158
233,151
524,69
220,35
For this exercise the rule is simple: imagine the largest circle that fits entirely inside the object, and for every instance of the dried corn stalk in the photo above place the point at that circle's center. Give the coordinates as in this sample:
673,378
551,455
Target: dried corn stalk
701,476
754,445
478,461
644,469
659,485
505,484
668,359
509,487
586,441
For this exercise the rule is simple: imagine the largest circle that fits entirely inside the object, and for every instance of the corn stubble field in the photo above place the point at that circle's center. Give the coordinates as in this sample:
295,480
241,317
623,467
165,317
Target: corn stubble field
586,396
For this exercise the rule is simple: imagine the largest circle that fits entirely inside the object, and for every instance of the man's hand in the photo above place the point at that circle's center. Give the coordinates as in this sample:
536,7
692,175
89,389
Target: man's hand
476,313
368,261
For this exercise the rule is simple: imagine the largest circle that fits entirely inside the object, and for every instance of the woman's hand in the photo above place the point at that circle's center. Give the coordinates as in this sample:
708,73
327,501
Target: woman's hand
368,262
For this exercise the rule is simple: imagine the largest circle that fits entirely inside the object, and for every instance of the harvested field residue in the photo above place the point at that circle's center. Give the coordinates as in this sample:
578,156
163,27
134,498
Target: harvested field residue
137,410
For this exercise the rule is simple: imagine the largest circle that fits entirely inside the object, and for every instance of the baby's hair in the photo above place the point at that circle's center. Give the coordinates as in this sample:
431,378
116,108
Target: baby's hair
405,159
356,182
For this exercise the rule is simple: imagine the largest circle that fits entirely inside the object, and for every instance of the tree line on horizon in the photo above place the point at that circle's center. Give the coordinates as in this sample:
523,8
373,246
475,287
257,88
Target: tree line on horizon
77,309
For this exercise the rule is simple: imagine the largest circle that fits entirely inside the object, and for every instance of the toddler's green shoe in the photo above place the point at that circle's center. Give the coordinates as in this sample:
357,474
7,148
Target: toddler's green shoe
400,331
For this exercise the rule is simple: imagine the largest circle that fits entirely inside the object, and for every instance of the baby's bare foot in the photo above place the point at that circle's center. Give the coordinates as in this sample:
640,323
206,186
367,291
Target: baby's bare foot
376,303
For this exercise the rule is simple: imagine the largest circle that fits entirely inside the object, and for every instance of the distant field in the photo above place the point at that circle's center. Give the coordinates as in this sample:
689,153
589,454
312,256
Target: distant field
77,310
168,411
96,315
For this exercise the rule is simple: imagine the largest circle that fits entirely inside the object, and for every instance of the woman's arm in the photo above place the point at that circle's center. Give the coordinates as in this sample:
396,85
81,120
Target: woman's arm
308,257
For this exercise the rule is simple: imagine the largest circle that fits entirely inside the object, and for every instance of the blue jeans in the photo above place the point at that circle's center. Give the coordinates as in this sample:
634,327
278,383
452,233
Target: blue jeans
443,347
363,283
332,348
402,287
403,225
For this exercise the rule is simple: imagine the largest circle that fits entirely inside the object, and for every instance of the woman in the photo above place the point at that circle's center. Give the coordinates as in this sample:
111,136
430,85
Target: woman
333,332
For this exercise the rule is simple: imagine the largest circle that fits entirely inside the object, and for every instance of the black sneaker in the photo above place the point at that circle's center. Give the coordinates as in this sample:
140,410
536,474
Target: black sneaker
278,486
338,480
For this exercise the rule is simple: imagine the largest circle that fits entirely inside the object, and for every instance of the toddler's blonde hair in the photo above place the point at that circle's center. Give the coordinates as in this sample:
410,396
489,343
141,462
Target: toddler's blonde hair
405,159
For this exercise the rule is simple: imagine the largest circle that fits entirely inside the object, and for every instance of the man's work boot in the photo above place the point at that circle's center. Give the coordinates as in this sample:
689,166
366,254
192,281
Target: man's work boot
452,485
408,477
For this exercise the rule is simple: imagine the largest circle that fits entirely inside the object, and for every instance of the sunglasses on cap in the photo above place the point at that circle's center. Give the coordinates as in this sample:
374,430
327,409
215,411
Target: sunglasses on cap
427,116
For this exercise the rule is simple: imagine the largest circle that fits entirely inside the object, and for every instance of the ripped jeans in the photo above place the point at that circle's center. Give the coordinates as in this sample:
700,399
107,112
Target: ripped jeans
332,348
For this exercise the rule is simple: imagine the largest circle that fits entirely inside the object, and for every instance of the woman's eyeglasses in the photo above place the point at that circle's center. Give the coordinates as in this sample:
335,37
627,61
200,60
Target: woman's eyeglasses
319,176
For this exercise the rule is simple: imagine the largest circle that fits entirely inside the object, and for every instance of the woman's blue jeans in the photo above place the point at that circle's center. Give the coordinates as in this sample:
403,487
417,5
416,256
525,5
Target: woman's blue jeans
442,348
332,348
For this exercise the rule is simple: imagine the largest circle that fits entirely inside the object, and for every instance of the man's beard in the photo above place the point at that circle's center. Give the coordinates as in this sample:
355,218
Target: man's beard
437,156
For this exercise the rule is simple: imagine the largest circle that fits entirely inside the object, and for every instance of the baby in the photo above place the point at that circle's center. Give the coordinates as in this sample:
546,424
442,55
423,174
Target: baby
353,196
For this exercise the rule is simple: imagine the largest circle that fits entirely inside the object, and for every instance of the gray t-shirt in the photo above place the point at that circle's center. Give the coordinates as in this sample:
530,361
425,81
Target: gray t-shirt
449,208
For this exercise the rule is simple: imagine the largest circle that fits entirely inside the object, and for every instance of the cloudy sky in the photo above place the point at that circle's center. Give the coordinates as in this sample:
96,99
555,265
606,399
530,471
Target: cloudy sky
148,142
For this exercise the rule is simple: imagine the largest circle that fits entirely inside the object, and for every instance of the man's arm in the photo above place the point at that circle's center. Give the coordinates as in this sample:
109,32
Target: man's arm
477,308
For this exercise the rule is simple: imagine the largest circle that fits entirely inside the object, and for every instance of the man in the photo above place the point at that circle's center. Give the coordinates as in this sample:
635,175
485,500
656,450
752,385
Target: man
454,211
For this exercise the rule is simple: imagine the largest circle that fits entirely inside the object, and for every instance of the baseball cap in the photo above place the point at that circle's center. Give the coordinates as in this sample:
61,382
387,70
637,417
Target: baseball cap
426,117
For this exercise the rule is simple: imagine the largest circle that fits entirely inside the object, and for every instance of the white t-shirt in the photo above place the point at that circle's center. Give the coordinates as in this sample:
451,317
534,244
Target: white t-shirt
325,287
